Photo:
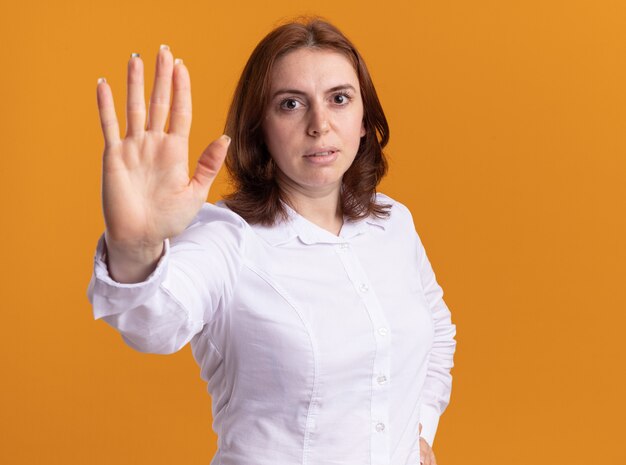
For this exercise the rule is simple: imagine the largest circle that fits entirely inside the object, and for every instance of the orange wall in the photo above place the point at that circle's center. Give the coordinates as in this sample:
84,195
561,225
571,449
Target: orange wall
508,145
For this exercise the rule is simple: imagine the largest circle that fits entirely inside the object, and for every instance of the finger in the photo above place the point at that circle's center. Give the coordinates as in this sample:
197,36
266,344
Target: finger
425,451
160,99
420,428
108,118
135,100
180,116
209,165
429,455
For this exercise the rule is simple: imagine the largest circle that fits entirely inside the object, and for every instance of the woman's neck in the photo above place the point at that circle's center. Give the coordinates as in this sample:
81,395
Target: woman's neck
322,208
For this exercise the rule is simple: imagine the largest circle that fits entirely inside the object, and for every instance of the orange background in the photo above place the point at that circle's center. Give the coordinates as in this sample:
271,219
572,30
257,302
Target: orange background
508,145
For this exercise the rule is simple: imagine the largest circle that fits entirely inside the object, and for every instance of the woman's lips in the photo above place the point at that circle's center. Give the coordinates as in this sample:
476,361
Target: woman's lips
325,156
321,154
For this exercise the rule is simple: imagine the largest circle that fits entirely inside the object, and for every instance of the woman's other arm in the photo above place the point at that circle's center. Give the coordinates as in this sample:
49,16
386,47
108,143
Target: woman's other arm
438,383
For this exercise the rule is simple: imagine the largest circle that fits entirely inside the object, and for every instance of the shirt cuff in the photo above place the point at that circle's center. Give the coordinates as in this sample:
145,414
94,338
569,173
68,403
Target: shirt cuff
108,297
429,418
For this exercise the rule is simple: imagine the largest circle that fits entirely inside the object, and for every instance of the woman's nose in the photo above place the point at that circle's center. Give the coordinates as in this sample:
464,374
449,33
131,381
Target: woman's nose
318,123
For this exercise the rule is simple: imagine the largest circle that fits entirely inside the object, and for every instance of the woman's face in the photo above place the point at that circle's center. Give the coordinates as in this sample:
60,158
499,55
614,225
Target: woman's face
314,120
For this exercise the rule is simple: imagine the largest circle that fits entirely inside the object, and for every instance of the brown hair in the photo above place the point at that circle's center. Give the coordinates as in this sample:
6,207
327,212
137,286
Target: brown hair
257,195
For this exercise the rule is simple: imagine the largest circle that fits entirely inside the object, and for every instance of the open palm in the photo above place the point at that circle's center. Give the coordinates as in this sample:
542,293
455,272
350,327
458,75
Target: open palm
147,193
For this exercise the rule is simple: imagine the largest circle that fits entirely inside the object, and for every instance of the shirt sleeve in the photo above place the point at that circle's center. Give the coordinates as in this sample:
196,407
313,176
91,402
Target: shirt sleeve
435,395
192,283
438,383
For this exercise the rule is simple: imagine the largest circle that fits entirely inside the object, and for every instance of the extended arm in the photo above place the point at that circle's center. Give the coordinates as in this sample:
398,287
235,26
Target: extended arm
149,285
192,283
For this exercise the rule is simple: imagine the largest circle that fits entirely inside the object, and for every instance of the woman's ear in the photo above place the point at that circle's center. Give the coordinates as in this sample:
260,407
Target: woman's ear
363,130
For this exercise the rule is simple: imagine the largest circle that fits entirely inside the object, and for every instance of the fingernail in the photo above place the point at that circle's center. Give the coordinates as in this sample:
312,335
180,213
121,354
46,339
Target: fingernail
164,47
178,61
101,80
134,55
226,138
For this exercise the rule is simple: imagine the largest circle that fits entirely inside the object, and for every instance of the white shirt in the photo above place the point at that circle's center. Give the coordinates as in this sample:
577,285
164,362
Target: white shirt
317,349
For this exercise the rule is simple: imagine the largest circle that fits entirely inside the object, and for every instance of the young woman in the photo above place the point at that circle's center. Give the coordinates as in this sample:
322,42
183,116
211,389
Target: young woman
307,297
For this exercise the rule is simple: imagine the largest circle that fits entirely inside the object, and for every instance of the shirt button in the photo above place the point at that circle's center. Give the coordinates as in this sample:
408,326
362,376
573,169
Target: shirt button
380,427
383,331
382,379
344,245
363,287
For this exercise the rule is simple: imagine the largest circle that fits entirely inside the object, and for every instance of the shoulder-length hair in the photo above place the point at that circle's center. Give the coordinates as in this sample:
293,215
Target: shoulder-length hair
257,196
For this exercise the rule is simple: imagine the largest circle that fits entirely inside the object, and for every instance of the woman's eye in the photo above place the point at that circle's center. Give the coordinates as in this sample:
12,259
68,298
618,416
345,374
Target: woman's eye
341,99
289,104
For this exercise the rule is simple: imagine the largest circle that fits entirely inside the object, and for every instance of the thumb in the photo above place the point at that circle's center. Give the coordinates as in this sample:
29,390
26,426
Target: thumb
209,165
420,428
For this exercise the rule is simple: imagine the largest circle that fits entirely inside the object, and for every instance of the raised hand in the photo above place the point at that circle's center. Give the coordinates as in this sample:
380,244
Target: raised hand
147,193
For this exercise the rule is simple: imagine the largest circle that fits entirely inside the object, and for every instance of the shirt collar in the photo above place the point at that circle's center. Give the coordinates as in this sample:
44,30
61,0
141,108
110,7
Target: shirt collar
296,226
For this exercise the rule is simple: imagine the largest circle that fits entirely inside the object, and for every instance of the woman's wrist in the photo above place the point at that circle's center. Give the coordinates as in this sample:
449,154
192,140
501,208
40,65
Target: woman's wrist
131,263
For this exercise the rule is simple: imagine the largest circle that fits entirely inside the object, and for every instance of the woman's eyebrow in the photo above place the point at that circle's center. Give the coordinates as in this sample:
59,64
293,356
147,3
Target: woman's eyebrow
300,92
341,87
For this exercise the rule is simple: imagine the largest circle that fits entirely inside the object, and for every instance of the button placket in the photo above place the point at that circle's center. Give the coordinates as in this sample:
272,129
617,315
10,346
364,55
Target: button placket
379,411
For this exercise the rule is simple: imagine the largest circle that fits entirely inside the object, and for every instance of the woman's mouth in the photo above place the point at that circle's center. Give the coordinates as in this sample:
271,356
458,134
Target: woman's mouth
325,156
321,154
